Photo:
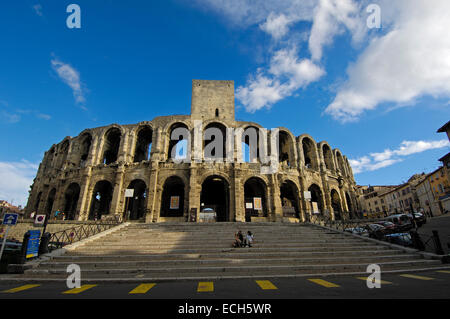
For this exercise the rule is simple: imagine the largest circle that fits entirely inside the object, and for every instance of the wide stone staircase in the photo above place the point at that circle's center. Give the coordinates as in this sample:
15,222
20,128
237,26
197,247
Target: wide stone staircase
204,251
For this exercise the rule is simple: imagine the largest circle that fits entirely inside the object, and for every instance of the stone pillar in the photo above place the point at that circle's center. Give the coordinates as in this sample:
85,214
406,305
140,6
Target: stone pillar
239,203
117,193
194,190
305,207
277,215
151,214
123,149
84,198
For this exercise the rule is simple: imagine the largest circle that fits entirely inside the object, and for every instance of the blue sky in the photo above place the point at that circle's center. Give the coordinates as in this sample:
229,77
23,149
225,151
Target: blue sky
378,95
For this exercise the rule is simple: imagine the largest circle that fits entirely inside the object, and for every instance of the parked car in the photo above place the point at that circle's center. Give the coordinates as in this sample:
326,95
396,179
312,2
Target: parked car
376,231
390,227
402,239
361,231
402,221
420,218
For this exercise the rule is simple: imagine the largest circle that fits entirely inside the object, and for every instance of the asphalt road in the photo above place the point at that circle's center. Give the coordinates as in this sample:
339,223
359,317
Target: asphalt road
429,285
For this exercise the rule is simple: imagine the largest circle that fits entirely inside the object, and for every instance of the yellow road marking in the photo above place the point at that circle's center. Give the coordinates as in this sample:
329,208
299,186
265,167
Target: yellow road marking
383,282
266,284
21,288
205,286
142,289
416,277
78,290
444,271
323,283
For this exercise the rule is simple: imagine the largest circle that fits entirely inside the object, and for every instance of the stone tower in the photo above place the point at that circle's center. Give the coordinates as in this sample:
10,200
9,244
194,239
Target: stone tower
212,99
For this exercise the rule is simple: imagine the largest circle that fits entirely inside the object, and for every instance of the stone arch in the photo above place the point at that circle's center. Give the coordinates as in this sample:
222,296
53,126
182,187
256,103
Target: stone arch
286,148
101,200
336,204
215,141
111,144
142,147
340,162
290,199
71,197
316,197
215,196
172,197
308,149
179,147
327,156
250,143
136,205
255,198
50,202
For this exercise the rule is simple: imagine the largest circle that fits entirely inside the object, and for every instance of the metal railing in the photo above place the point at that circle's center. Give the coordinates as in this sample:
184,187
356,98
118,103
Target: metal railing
75,234
341,224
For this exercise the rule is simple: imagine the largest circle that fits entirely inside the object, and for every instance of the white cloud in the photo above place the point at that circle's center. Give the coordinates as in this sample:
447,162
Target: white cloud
410,61
15,181
285,75
287,71
332,17
389,157
38,9
71,77
276,26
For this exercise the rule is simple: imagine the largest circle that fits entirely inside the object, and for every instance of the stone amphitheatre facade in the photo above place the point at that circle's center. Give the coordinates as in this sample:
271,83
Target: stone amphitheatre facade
86,177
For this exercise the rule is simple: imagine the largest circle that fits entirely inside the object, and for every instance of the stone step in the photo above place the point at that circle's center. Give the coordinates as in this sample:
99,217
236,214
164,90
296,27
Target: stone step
224,261
199,245
99,250
242,269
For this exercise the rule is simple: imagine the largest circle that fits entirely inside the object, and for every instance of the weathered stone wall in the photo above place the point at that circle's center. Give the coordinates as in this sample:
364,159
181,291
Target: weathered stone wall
74,171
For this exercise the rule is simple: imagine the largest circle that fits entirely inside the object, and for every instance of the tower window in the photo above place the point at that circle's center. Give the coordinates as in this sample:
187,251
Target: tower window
217,112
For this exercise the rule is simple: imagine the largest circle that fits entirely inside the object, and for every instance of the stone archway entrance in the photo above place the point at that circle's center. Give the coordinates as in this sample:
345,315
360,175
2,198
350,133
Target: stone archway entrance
136,204
336,204
215,197
255,198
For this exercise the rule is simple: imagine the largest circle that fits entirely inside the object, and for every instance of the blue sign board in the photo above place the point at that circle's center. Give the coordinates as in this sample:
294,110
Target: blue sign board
10,219
33,244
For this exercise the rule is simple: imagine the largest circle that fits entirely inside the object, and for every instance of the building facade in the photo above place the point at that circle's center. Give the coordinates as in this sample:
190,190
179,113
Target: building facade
90,176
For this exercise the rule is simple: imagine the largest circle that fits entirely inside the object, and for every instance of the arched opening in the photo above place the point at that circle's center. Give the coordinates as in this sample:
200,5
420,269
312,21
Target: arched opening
349,204
255,198
340,163
336,204
50,201
61,156
214,142
215,197
178,142
71,197
37,202
172,201
217,112
327,157
143,144
310,154
111,146
136,204
101,200
285,149
317,205
85,148
250,145
289,199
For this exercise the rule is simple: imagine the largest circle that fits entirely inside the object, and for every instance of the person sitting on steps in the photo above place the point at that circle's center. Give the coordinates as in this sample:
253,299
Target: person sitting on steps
249,239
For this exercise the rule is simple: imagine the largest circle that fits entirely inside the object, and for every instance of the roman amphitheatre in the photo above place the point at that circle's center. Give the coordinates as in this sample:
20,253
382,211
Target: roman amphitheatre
88,177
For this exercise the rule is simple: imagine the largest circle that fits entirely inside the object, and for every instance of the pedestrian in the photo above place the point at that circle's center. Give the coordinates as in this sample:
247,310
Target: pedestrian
238,239
249,239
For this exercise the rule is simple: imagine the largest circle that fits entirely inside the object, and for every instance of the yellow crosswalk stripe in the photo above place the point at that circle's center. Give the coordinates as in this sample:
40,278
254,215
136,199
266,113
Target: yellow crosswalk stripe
416,277
266,284
383,282
324,283
444,271
205,286
142,289
21,288
78,290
